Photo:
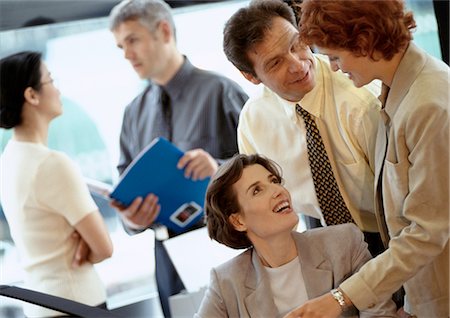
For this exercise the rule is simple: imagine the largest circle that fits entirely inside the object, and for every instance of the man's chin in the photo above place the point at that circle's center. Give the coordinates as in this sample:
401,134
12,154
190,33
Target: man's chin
358,84
141,75
304,89
140,72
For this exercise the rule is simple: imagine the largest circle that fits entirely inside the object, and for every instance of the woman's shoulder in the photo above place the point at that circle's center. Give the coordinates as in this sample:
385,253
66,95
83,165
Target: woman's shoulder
332,237
236,263
57,161
58,157
347,229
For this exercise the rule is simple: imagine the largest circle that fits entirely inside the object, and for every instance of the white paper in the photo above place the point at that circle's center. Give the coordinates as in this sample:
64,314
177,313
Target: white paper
194,254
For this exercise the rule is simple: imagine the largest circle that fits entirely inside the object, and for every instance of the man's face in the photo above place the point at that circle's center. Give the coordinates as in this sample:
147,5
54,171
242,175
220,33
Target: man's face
282,62
144,49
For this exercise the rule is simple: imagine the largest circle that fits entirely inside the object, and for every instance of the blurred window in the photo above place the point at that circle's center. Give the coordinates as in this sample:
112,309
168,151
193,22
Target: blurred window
426,34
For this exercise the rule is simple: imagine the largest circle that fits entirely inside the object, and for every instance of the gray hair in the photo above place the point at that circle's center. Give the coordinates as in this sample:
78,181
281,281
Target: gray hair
148,12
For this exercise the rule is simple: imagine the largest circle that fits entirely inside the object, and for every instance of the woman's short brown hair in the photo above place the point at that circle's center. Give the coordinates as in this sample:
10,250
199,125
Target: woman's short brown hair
361,27
221,199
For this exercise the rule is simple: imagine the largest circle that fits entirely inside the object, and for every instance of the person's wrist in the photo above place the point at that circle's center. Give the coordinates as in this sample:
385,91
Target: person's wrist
340,298
131,227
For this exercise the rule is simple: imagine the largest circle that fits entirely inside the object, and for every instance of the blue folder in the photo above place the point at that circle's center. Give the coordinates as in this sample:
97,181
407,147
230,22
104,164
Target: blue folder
155,171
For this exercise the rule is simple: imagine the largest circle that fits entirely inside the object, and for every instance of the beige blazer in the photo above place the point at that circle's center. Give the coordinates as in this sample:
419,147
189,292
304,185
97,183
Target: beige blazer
415,188
240,287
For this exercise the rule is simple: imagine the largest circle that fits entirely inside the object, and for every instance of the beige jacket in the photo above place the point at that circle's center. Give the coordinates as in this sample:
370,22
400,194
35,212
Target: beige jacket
415,183
241,288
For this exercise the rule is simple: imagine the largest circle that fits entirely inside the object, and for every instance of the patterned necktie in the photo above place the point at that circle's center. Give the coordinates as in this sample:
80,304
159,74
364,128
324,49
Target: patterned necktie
330,199
163,117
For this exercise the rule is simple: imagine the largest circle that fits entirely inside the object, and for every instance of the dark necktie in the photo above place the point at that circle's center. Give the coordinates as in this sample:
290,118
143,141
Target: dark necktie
379,208
163,117
330,199
381,148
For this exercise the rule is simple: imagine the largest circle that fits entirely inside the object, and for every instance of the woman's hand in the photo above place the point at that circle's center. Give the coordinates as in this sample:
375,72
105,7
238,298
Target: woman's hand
321,307
93,233
81,250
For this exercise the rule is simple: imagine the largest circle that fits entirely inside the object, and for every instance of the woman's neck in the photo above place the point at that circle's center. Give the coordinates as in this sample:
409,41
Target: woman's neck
276,252
389,68
32,131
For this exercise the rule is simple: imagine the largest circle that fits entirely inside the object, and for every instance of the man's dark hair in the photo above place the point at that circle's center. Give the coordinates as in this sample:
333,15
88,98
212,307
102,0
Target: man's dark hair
247,28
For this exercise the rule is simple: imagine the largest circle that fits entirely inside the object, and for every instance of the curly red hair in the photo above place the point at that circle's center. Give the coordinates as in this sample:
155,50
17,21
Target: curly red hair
361,27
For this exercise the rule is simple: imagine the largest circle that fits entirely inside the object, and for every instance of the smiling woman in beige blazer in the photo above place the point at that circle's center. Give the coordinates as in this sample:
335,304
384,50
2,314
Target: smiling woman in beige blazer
247,207
373,40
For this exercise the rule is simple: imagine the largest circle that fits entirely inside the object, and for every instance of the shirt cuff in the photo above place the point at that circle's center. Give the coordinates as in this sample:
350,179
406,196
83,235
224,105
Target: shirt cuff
359,292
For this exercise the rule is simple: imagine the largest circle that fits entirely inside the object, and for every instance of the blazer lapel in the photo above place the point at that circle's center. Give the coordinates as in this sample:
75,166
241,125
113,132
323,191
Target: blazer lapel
316,269
258,302
410,66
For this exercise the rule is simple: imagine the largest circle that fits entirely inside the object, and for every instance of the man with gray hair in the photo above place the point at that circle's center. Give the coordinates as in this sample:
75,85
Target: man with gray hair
196,110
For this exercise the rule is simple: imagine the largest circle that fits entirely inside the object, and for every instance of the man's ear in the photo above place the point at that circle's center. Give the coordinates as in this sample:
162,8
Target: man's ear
166,30
237,222
251,78
31,96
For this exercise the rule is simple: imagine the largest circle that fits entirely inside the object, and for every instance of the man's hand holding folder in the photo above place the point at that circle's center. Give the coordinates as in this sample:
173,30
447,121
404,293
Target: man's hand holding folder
164,185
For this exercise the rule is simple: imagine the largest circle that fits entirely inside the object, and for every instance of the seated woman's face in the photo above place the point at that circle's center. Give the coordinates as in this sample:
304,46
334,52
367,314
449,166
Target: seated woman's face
266,207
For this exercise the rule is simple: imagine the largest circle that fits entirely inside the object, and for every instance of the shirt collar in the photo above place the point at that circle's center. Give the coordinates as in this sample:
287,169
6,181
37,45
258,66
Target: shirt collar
312,102
176,84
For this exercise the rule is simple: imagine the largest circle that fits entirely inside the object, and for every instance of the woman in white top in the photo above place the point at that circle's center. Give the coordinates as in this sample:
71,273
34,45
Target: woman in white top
247,207
46,202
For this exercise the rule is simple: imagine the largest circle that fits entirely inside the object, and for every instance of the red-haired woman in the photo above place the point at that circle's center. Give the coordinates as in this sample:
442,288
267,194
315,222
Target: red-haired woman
372,40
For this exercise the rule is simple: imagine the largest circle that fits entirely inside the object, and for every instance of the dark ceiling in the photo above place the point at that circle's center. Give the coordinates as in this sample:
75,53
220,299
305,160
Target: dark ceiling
15,14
